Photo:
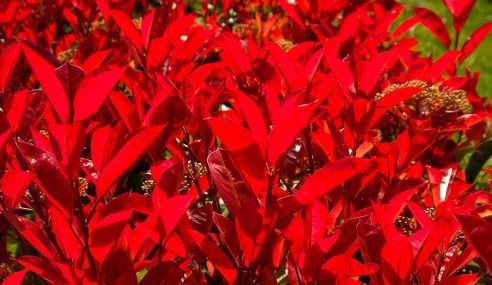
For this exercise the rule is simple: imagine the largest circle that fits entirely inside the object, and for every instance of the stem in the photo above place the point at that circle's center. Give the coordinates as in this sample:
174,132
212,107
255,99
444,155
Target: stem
271,178
456,40
159,261
307,134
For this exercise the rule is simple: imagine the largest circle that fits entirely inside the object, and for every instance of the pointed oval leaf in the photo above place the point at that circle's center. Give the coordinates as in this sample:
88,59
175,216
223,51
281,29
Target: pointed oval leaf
50,177
216,256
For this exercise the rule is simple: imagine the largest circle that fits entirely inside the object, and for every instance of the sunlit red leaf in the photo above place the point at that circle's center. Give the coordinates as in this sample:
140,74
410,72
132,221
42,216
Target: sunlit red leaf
127,26
14,183
232,187
474,40
432,22
323,181
216,255
93,91
50,176
126,156
8,60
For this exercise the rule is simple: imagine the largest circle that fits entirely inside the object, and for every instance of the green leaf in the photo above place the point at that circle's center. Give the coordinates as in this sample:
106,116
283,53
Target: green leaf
478,160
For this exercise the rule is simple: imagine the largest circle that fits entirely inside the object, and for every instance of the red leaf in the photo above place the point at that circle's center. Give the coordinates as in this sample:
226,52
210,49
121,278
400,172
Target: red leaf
43,268
434,23
405,26
216,256
170,212
104,234
345,265
464,279
323,181
316,221
391,100
201,218
14,184
8,59
103,146
50,176
70,77
231,186
67,141
244,151
15,278
474,40
253,227
45,72
228,233
396,260
126,110
34,234
95,60
289,122
234,56
93,91
128,28
371,70
168,176
478,232
441,229
126,156
282,62
461,10
65,236
254,119
290,9
446,62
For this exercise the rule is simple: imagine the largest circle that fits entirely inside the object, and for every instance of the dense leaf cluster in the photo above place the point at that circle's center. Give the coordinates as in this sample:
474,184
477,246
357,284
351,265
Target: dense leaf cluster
240,142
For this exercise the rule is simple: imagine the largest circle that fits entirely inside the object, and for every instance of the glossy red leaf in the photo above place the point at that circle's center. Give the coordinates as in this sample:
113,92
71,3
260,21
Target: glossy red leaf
446,62
95,60
460,9
464,279
14,183
126,156
392,99
15,278
70,77
201,218
34,234
93,90
290,121
345,265
370,71
65,234
170,212
478,231
232,188
43,268
103,144
216,256
128,28
105,234
323,181
45,72
67,141
396,260
50,177
432,22
474,40
253,227
8,60
441,228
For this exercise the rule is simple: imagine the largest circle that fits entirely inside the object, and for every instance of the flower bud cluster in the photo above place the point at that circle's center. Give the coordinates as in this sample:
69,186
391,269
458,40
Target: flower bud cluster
432,100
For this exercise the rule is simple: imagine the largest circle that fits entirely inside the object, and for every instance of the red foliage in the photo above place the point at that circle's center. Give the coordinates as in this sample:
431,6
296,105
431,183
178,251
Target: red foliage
273,142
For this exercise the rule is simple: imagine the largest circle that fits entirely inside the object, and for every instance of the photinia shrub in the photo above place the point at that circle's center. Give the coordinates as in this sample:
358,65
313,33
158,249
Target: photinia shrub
240,142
